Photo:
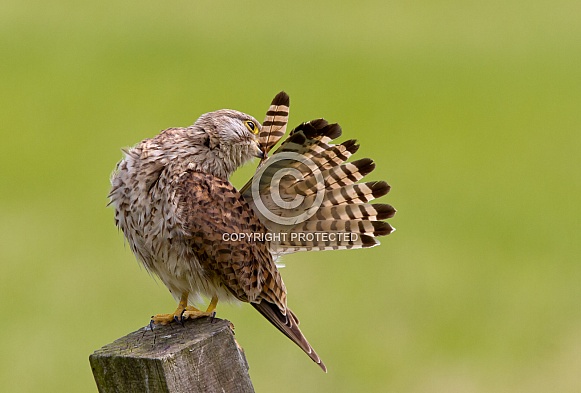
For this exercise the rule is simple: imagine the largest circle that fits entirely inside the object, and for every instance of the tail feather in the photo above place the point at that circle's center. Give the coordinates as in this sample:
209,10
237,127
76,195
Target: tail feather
288,324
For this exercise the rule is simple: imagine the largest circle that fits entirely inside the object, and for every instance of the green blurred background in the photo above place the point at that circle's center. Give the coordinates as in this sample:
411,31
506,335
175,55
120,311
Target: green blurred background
470,109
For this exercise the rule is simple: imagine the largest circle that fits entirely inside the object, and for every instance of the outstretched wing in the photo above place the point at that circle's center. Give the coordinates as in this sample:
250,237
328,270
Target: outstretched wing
334,210
211,211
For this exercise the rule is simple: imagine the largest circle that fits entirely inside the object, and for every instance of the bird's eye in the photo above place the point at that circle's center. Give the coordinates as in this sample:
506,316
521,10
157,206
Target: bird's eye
251,126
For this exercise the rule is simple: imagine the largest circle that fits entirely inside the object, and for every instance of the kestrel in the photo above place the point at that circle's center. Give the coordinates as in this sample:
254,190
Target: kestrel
189,226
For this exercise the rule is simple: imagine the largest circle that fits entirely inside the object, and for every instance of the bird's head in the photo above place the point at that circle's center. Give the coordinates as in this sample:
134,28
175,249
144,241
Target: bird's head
217,143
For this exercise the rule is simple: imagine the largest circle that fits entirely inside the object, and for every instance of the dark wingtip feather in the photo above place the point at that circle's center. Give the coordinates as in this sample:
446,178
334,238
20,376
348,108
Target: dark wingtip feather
384,210
334,131
318,127
365,165
318,124
281,99
381,228
368,241
351,145
312,128
379,188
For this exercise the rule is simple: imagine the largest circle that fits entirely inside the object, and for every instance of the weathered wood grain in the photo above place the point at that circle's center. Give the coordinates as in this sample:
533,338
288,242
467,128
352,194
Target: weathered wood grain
200,356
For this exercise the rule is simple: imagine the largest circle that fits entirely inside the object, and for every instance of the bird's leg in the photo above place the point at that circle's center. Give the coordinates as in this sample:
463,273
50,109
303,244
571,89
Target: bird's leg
164,319
192,312
213,304
212,308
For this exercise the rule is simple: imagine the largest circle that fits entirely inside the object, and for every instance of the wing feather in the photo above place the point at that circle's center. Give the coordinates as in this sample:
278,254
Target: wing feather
275,122
332,196
210,207
288,324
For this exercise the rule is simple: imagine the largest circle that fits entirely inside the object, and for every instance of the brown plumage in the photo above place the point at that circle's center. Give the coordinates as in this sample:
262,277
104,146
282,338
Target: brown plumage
176,207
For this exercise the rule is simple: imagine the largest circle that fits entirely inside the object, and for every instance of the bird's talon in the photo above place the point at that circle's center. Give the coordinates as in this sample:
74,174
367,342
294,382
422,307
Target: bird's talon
184,312
162,319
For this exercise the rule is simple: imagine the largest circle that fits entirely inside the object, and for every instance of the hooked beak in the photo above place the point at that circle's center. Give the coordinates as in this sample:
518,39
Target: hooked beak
258,151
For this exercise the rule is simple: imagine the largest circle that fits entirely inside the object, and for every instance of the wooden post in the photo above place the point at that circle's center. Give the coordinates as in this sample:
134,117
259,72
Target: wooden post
200,356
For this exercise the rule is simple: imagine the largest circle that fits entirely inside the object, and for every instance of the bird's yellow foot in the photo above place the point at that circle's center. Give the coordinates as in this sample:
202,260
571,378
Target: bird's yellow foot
165,319
184,312
193,313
